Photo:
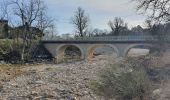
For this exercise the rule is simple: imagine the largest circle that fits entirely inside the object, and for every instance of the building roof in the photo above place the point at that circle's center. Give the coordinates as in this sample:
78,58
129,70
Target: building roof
3,21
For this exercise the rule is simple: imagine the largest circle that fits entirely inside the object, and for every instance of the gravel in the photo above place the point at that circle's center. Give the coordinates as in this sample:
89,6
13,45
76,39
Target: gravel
66,81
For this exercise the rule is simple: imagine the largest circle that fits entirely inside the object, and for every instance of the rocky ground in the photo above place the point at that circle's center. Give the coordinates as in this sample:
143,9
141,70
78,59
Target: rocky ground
66,81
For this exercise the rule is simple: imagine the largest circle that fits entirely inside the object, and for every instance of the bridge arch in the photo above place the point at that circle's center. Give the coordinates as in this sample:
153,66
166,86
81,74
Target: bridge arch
60,51
128,48
91,49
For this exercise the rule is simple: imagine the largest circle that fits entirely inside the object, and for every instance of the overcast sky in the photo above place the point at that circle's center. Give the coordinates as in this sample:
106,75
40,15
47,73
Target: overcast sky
100,12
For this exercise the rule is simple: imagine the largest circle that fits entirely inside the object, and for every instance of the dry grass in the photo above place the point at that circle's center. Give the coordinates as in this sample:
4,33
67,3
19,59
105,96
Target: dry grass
160,61
10,71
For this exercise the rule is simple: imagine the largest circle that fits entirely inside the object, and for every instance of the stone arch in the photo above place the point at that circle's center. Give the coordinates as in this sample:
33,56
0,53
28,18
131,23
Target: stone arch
127,49
60,51
91,49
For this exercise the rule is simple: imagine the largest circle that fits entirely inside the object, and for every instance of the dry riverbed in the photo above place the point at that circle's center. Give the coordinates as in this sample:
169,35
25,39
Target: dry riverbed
67,81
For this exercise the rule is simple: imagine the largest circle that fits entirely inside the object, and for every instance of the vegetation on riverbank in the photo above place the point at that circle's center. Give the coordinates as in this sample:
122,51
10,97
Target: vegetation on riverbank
124,81
133,78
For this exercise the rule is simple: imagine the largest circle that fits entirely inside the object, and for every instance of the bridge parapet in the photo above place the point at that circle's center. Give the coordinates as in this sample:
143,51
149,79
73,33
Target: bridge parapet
114,38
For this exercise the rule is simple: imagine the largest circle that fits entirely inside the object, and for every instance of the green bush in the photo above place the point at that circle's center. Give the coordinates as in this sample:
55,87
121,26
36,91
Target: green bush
5,46
9,49
124,81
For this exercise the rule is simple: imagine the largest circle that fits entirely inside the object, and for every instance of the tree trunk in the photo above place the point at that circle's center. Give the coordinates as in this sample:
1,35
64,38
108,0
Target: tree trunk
22,54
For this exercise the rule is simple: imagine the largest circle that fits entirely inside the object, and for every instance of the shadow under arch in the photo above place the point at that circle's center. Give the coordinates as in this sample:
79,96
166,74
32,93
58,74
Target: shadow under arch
60,51
140,46
91,50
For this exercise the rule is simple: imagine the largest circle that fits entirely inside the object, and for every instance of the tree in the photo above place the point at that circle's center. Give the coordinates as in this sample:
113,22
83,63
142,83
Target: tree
159,11
80,21
153,28
156,9
117,26
31,17
138,30
99,32
27,12
45,23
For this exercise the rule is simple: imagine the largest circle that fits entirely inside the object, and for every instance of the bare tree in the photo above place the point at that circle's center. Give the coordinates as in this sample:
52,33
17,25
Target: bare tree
30,16
45,23
159,11
80,21
117,26
148,23
137,30
28,13
156,9
99,32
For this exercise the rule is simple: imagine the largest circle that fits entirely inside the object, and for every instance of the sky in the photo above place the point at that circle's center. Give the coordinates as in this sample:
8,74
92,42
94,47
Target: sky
99,11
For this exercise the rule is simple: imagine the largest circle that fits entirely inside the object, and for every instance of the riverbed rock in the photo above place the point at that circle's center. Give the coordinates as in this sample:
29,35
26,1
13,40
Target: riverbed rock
66,81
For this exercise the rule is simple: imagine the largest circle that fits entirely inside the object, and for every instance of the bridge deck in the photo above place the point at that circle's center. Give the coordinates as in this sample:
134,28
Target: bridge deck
94,42
110,39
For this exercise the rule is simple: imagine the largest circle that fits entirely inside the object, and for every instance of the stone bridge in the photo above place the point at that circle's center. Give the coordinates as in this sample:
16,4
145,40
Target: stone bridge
120,44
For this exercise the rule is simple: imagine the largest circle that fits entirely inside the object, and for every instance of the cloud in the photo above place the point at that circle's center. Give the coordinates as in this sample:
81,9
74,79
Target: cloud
100,5
100,11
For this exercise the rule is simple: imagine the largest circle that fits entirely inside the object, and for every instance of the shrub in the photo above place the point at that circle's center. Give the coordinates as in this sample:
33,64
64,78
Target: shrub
9,50
5,46
12,57
123,81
